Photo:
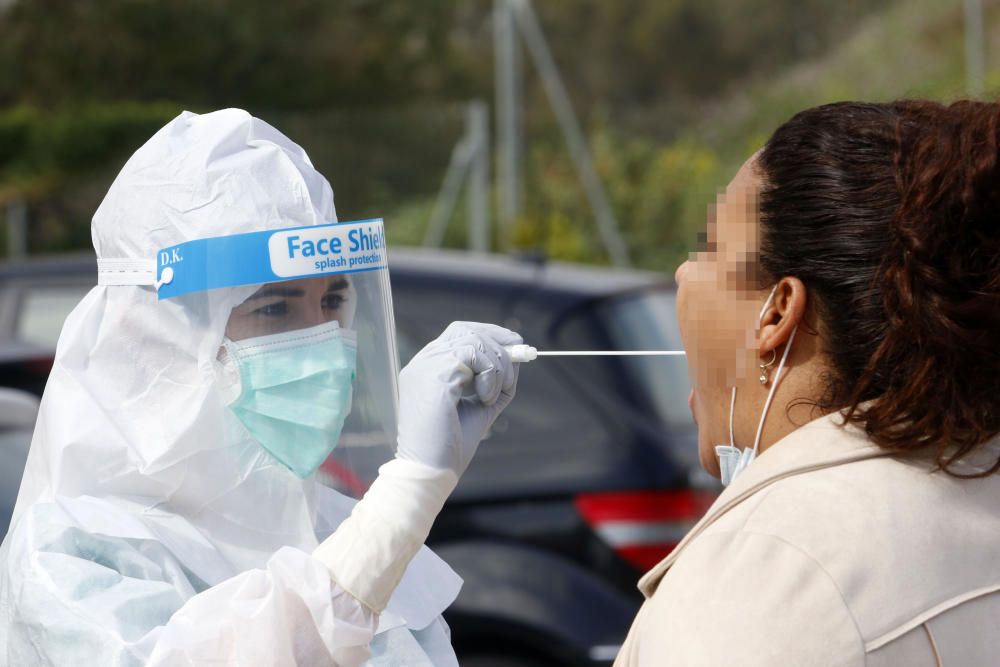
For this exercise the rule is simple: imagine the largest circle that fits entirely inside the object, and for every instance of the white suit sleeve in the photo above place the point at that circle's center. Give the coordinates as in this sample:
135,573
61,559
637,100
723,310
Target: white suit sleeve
290,613
369,552
364,560
79,598
744,599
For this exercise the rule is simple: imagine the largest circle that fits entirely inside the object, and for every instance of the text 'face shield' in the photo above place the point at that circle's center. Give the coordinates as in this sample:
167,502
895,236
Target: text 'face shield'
308,362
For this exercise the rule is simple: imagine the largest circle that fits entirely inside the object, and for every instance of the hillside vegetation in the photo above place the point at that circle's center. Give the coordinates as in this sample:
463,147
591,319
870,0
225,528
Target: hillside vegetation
674,95
910,48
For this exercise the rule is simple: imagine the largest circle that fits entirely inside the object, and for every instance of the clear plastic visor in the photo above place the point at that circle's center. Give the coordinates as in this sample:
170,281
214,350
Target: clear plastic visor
328,344
308,359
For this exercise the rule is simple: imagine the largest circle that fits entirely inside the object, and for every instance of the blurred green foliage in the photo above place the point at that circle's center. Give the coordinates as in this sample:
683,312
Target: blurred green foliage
674,95
294,54
41,149
659,193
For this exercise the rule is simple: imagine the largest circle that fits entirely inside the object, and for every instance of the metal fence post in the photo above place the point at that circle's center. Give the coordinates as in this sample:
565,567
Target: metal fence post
17,229
477,123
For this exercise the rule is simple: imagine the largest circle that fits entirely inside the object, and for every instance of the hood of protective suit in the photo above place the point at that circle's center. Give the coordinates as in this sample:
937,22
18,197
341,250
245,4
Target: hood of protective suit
132,409
135,446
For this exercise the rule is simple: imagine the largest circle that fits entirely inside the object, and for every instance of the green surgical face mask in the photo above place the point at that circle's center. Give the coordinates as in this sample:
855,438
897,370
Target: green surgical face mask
294,391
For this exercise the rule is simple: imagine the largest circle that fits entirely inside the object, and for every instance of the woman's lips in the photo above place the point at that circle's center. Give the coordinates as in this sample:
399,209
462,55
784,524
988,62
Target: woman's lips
691,407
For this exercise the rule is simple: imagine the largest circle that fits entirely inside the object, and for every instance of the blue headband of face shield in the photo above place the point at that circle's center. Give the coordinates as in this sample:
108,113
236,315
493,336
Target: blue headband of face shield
256,258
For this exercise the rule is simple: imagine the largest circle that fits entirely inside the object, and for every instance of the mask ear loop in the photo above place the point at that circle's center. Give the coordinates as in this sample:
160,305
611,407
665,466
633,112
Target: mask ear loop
731,460
774,388
732,409
732,402
777,375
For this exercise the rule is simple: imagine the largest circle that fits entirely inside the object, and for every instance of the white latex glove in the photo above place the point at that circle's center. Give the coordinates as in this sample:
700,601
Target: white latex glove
452,391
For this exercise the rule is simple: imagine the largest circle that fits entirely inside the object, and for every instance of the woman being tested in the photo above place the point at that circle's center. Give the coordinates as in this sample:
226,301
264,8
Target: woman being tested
842,324
169,512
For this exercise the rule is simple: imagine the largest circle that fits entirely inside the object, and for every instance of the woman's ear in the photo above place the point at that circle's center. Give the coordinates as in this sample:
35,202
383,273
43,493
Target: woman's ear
785,312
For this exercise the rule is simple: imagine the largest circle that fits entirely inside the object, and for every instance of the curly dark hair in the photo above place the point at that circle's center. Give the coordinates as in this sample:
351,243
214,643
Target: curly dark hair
890,215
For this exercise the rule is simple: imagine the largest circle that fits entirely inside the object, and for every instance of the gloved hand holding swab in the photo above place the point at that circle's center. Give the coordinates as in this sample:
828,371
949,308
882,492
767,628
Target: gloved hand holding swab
525,353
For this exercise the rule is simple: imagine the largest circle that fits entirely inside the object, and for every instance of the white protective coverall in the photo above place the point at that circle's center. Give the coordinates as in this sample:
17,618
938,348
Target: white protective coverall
149,528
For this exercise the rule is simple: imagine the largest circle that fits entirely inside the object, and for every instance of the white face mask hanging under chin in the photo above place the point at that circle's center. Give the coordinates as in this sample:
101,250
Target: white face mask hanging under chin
733,460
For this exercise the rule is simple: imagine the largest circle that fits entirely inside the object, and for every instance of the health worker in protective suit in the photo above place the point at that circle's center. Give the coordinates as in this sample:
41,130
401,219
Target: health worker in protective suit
180,504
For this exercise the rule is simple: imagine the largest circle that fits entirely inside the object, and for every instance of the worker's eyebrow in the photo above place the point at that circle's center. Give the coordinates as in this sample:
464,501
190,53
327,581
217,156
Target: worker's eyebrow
339,284
277,290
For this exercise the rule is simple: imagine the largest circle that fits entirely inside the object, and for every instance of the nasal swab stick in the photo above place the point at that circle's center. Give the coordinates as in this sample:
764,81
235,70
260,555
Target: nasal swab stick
525,353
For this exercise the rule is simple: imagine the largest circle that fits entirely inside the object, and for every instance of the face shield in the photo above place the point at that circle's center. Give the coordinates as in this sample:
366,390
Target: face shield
308,361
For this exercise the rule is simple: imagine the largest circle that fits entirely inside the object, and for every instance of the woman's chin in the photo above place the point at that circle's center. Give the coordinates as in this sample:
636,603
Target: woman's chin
706,456
706,447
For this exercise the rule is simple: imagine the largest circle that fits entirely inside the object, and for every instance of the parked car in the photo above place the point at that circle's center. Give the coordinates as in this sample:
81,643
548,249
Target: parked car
18,410
35,297
588,478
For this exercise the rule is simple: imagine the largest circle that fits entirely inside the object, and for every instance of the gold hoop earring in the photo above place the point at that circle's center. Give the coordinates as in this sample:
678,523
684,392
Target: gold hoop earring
765,376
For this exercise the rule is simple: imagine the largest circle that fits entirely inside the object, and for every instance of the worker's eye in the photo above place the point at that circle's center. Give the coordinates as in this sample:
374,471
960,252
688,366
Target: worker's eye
333,301
276,309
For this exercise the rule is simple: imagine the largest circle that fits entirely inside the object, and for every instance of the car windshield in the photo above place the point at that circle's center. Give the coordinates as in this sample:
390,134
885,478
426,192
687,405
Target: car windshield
641,320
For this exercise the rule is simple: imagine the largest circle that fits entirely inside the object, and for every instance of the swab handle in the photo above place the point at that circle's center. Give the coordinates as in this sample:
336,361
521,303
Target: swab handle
520,354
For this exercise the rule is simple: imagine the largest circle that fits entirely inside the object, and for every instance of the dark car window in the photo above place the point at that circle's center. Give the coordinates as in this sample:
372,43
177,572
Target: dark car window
43,309
408,340
641,320
647,321
550,436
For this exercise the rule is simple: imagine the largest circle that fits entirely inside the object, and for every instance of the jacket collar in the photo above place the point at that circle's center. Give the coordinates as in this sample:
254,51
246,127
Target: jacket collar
822,443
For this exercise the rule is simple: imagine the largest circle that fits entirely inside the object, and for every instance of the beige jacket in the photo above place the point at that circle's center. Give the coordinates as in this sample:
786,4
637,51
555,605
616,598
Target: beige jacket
826,551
